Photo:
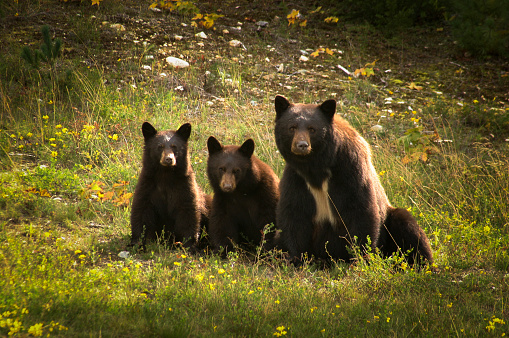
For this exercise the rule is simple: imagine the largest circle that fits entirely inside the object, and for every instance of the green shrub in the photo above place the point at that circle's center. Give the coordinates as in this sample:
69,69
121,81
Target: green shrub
393,15
480,26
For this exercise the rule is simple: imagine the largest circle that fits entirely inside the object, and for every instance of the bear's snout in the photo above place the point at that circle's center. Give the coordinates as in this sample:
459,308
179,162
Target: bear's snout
168,159
228,183
301,145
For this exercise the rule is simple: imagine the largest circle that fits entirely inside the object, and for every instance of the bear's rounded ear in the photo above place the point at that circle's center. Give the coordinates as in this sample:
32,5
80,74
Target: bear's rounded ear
148,130
247,148
213,145
281,103
184,131
329,109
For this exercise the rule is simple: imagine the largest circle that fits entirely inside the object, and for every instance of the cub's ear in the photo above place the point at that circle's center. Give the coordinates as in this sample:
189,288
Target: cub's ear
148,130
247,148
281,104
329,109
184,131
213,145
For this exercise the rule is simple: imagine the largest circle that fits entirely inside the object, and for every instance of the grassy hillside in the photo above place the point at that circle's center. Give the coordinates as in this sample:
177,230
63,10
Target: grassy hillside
71,144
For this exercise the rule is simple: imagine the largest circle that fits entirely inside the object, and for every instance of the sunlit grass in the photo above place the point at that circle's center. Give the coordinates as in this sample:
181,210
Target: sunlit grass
71,154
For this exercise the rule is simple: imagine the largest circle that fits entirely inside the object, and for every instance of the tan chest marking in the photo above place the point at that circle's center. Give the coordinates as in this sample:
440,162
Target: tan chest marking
324,211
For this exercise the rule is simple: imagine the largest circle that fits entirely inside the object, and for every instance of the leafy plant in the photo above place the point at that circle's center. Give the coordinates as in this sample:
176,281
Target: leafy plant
206,21
48,51
417,145
182,7
367,70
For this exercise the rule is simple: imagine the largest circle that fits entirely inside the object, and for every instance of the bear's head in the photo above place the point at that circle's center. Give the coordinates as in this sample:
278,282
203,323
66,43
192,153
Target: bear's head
228,166
303,129
167,148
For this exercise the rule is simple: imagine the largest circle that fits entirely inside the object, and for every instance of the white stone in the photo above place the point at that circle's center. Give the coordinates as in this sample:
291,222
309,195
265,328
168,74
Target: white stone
176,62
235,43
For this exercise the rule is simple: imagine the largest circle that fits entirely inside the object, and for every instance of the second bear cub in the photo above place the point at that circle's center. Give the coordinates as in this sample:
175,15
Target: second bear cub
245,195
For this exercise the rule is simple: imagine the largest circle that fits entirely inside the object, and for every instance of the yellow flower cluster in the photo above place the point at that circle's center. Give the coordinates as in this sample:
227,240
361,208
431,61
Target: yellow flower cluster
10,320
280,331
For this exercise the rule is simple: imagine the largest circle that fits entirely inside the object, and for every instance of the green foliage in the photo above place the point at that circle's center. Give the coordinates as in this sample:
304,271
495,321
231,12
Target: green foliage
182,7
394,15
417,145
480,26
48,51
486,119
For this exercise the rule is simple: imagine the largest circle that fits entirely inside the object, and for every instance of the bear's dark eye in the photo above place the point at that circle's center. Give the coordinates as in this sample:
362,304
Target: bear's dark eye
222,169
160,146
236,171
173,147
292,129
311,130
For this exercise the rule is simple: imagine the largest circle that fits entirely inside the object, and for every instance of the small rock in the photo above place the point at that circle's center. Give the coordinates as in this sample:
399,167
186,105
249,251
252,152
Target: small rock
178,37
155,9
225,31
201,35
146,67
377,128
262,23
236,43
176,62
123,254
303,58
118,27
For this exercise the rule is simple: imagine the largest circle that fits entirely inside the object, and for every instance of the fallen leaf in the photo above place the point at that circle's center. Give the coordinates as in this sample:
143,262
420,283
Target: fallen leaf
414,86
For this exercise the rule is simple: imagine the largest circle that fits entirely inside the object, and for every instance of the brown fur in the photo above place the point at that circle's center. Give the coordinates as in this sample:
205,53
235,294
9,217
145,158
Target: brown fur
245,195
167,200
331,196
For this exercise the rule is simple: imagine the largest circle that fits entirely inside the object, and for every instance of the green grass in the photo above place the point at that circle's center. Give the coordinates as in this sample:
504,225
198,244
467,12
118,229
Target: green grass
70,155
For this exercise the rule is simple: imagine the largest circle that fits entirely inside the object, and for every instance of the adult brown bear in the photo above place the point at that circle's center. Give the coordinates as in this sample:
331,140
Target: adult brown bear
167,201
245,195
330,194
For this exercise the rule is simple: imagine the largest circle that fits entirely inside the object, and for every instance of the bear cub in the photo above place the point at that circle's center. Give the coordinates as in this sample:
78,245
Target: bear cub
167,201
245,195
331,196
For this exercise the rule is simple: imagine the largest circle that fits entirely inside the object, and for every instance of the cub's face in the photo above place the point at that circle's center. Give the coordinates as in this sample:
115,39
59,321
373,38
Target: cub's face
169,147
302,129
228,166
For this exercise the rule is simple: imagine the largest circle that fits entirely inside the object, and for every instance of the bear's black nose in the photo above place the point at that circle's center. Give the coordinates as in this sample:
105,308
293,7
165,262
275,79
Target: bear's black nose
302,145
